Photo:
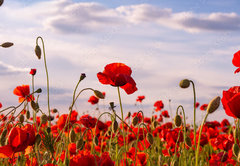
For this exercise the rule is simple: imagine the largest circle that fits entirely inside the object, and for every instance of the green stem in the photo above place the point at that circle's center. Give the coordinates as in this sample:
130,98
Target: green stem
34,112
45,63
199,138
194,117
120,102
184,130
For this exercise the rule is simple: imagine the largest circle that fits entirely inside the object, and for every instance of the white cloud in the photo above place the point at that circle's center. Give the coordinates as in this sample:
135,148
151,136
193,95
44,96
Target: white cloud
7,69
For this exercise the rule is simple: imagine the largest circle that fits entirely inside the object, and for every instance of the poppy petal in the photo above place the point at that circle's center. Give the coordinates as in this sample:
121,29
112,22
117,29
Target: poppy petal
5,151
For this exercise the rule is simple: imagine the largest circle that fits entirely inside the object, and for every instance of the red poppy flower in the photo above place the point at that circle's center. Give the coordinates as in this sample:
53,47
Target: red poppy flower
159,105
203,107
63,119
33,72
118,74
0,105
93,100
236,61
140,98
72,148
18,140
88,121
23,91
230,101
197,104
165,114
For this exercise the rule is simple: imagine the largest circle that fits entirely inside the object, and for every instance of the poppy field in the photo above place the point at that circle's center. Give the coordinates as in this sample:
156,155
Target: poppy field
35,137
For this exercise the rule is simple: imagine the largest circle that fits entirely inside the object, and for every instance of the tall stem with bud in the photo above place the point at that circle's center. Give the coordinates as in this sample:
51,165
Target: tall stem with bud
38,53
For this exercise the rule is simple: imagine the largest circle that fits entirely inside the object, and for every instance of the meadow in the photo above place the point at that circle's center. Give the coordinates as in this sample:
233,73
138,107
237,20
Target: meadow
31,136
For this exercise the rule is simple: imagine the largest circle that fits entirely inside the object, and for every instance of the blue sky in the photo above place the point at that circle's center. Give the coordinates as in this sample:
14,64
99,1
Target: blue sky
162,41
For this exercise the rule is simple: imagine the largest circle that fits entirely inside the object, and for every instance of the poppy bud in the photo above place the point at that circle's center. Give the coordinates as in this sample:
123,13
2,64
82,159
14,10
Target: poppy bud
129,114
95,141
39,90
154,124
54,110
72,136
38,139
150,138
44,119
7,44
1,2
188,141
49,130
3,137
80,143
38,51
185,83
33,72
83,75
21,118
99,94
235,149
135,121
112,106
115,126
34,105
213,104
28,114
178,120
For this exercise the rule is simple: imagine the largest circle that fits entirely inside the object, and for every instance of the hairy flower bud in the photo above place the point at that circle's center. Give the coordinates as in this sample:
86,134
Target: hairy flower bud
114,126
34,105
99,94
83,75
44,118
213,104
54,110
178,120
38,51
21,118
39,90
28,114
135,121
185,83
235,149
150,138
80,143
188,141
3,137
6,44
72,136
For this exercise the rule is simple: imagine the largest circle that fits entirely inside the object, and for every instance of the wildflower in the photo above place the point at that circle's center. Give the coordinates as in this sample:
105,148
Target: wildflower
159,105
197,104
165,114
93,100
203,107
88,121
140,99
230,101
236,61
0,105
18,140
118,74
33,72
23,92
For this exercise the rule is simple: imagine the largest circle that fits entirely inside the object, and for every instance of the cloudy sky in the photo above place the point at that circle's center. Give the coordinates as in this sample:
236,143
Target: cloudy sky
162,41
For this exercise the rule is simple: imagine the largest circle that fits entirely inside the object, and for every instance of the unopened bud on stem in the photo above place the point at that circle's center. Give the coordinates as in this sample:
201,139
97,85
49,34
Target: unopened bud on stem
213,104
185,83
